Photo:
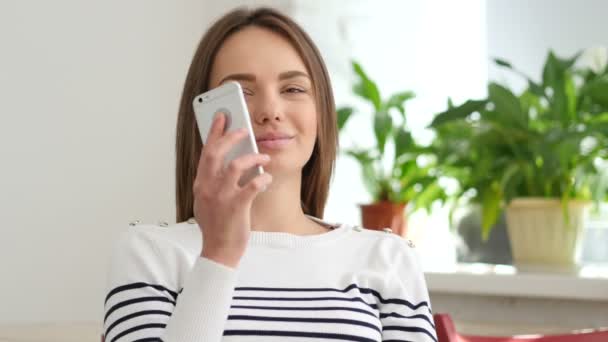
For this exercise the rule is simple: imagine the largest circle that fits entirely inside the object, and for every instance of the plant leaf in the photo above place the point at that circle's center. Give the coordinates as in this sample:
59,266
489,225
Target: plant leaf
490,209
503,63
458,113
366,88
371,178
507,105
397,101
533,86
428,195
383,125
343,114
403,142
598,90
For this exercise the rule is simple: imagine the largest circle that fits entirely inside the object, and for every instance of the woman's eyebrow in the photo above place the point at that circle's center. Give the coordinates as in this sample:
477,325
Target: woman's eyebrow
291,74
251,78
238,77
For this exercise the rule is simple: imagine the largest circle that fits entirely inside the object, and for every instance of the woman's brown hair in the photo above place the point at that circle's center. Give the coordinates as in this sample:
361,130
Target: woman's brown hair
317,172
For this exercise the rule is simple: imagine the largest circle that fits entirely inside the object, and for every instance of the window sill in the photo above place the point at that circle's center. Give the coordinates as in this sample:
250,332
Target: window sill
590,283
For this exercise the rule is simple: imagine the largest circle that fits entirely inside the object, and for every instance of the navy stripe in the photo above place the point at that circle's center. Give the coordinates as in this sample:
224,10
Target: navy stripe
139,286
134,301
296,334
307,320
410,329
394,314
346,289
308,299
303,308
137,328
136,314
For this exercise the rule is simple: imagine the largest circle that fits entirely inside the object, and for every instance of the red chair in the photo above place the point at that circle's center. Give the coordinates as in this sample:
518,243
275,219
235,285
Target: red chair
446,332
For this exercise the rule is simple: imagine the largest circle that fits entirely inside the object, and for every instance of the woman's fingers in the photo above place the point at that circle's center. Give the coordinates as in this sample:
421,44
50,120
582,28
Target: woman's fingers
255,186
215,132
217,128
236,168
218,144
225,143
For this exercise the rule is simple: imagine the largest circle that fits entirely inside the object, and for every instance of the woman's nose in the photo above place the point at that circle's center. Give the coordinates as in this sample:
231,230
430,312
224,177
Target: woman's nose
267,108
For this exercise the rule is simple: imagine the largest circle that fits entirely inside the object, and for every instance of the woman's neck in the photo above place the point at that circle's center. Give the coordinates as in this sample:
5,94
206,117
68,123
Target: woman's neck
278,209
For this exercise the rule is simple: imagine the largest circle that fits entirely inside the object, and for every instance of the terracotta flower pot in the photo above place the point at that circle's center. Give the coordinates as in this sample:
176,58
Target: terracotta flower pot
384,214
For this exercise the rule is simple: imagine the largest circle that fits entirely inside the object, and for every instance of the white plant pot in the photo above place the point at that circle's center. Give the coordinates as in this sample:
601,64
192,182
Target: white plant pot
540,237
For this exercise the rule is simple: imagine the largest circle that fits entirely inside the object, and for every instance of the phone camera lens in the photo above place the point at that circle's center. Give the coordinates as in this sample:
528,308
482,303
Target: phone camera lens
200,99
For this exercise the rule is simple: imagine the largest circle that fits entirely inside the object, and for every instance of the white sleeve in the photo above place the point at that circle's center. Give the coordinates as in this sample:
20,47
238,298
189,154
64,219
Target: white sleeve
145,301
405,309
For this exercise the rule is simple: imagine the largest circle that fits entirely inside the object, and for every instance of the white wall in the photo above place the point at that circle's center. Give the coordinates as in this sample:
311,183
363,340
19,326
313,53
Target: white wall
522,32
87,118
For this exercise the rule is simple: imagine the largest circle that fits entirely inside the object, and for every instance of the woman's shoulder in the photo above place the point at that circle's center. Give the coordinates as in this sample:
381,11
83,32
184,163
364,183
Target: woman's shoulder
160,236
384,237
152,253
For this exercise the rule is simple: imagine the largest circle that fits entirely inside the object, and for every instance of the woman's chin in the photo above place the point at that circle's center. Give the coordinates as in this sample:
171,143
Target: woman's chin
279,166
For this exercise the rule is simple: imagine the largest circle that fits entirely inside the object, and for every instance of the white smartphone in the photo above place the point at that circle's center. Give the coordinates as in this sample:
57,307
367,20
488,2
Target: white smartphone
228,99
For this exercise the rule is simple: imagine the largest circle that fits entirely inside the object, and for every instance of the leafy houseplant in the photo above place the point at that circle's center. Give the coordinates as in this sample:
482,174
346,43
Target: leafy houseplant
404,181
537,151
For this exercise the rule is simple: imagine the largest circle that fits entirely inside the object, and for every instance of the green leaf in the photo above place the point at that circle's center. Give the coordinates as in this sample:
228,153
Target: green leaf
551,70
529,100
362,156
533,86
366,88
490,209
428,195
458,113
403,142
508,174
598,91
408,171
570,93
344,114
383,125
450,103
371,178
555,67
507,104
503,63
397,101
599,118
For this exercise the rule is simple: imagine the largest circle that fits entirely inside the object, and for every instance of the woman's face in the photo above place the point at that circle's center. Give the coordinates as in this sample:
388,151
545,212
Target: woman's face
278,91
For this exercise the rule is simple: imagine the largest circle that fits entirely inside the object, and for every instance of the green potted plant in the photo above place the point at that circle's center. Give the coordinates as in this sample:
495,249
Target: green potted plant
404,182
539,155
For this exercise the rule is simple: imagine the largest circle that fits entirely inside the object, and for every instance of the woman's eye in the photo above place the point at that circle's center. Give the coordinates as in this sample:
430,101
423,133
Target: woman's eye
247,92
294,90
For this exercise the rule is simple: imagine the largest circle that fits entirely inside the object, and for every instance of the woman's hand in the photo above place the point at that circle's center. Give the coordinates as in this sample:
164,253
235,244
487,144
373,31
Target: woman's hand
222,207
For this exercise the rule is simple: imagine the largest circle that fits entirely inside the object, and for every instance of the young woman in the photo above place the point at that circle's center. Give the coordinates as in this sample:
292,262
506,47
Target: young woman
257,262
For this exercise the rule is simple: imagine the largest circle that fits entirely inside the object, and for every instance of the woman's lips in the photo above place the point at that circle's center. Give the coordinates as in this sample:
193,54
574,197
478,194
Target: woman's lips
274,144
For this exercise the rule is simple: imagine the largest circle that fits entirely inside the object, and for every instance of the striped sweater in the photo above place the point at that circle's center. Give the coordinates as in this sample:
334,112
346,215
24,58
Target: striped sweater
348,284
